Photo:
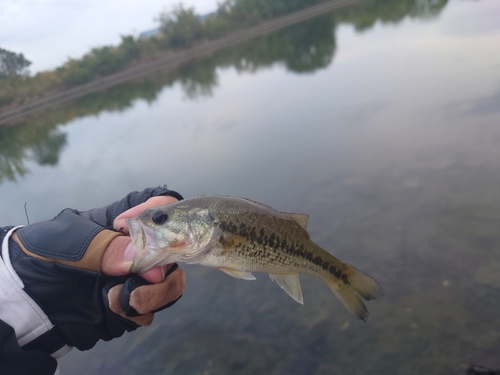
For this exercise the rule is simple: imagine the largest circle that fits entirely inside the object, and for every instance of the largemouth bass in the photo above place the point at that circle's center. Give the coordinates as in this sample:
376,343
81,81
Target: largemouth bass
240,236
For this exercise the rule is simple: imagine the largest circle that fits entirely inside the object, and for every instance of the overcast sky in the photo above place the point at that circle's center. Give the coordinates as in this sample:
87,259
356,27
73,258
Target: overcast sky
47,32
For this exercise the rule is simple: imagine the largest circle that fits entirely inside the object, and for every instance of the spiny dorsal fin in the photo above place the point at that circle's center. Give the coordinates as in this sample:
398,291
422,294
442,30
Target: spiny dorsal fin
302,219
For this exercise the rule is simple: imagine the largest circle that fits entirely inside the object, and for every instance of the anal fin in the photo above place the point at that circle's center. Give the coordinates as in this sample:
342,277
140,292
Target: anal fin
239,274
291,285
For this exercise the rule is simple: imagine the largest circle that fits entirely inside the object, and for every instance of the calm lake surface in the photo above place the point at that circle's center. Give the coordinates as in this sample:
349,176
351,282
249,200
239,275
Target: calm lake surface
382,123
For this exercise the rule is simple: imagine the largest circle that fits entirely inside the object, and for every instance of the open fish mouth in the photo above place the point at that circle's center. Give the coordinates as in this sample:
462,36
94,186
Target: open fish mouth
143,237
149,253
136,233
143,240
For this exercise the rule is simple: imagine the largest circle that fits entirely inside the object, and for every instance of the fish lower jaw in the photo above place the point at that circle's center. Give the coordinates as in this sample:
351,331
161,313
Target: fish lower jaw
149,258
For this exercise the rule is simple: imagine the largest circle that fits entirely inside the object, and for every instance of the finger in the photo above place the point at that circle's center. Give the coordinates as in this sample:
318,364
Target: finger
155,274
147,298
121,225
114,305
118,258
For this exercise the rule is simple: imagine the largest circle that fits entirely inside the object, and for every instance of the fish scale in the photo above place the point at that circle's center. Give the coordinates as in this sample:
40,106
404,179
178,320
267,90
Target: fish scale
240,236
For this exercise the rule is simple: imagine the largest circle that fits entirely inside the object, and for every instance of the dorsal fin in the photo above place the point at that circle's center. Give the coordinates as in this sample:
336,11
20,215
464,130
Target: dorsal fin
302,219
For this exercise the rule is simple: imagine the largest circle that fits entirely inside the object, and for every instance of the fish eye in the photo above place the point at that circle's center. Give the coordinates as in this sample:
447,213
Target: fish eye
159,217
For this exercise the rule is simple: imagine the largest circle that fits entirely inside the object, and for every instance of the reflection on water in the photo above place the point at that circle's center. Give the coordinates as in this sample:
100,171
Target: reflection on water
394,150
302,48
22,143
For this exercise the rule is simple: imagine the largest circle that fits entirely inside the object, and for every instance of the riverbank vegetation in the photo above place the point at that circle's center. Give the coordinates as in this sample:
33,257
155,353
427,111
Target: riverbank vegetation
302,48
179,28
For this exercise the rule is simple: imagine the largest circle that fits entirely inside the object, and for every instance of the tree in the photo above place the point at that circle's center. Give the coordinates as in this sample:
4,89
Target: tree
12,64
181,27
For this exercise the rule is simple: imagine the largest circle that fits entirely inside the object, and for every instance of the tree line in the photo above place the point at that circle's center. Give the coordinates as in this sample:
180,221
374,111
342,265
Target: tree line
180,28
301,48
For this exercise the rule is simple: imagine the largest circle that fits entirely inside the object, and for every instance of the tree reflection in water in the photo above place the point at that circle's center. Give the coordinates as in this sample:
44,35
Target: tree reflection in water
302,48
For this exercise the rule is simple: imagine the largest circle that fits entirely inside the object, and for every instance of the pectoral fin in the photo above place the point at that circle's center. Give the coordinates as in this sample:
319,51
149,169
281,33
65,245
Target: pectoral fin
291,285
239,274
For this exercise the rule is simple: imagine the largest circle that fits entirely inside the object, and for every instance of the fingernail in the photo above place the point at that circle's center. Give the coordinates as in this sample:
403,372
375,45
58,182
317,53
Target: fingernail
163,271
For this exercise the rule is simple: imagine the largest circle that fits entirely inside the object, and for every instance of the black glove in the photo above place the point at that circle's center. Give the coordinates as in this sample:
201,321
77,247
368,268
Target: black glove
60,260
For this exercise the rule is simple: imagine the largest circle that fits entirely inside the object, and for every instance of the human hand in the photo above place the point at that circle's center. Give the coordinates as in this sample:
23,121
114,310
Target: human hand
117,261
118,257
78,272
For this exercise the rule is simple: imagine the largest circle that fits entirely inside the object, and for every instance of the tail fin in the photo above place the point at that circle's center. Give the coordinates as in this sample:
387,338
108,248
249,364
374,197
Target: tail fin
359,285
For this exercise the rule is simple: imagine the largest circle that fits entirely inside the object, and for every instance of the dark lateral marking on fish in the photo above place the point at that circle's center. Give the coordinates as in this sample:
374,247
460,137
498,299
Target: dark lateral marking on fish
241,230
233,242
335,271
232,227
253,235
273,241
228,227
317,260
345,279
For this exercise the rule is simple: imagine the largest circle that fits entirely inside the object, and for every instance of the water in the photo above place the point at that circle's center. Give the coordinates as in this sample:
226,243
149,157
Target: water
381,122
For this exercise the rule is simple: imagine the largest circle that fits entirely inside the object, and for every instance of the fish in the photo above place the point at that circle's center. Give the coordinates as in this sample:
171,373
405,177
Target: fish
240,236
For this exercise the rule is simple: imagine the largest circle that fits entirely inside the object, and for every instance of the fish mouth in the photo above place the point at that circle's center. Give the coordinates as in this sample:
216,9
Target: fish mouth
143,241
136,233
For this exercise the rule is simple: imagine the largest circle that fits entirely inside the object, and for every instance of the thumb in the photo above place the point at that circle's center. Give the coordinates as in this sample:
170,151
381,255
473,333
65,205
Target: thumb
118,257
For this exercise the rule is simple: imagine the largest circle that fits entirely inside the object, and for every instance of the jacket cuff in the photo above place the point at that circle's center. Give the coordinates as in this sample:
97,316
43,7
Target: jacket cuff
16,360
20,311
